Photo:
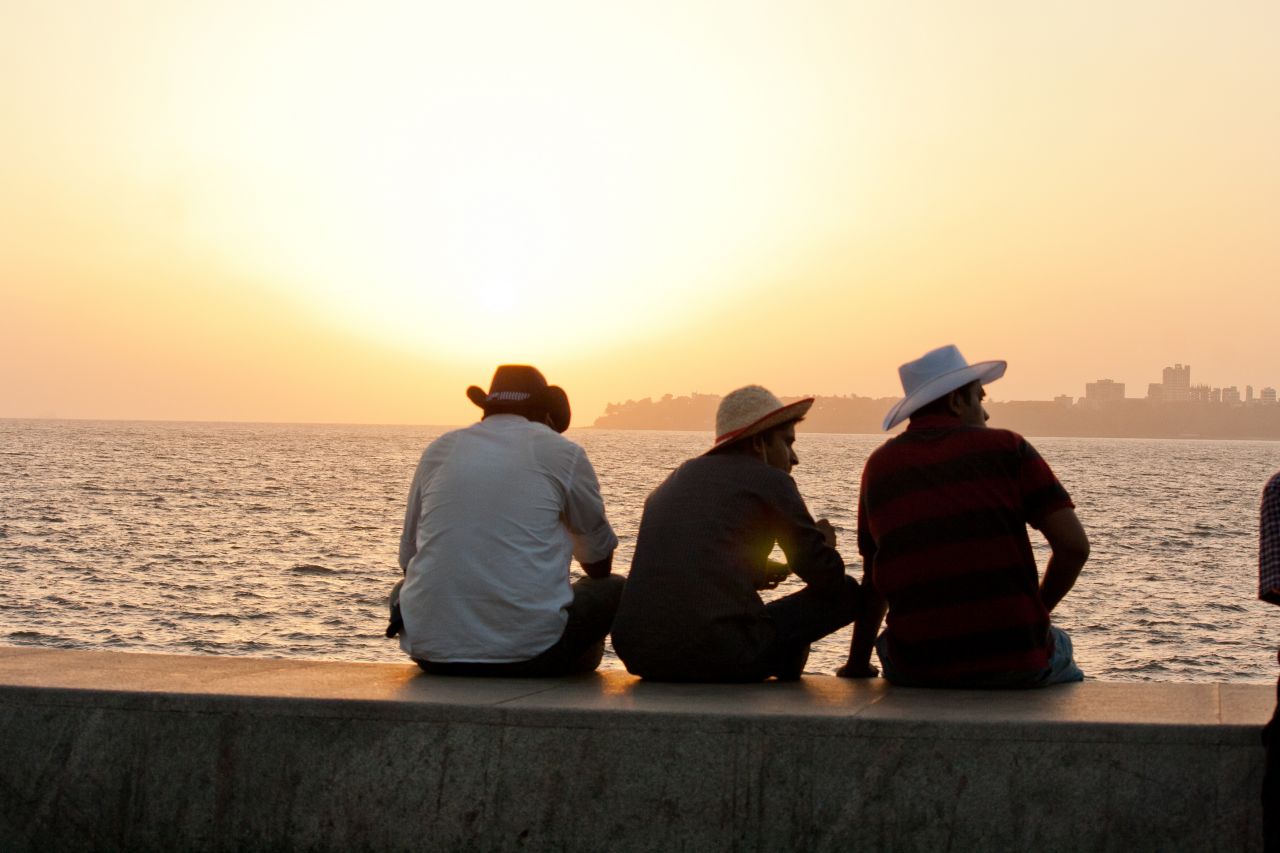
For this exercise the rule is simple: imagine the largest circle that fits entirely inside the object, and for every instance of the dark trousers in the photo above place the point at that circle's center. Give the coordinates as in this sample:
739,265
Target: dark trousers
1271,782
795,621
800,619
579,649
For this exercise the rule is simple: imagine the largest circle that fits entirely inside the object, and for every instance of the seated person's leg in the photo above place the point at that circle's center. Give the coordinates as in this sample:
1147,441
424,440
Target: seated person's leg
396,622
595,603
785,662
803,617
1062,669
1271,781
581,646
809,615
888,670
1062,666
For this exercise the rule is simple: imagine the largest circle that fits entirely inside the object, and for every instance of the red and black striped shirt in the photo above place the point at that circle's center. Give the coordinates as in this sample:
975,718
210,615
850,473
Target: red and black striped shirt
942,529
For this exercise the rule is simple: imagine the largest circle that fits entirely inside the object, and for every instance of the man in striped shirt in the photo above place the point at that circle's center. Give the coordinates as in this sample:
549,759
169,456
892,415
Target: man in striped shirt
1269,590
942,529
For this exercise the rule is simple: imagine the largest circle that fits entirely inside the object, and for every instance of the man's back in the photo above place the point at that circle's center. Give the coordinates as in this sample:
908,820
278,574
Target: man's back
691,610
488,539
942,523
704,539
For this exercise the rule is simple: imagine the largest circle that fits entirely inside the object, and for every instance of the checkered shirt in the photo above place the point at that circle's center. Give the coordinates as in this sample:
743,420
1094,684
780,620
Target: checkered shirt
1269,542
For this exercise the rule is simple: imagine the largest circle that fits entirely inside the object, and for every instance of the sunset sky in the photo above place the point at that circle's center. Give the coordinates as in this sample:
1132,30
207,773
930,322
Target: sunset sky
297,211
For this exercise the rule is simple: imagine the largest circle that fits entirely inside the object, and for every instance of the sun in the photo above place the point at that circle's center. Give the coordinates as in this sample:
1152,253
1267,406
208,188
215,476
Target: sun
498,190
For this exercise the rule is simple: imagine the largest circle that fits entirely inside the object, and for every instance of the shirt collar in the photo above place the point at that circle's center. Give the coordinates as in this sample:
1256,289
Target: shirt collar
504,418
947,421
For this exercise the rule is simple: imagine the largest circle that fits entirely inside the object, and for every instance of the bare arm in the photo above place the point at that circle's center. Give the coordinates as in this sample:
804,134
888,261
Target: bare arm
865,630
409,533
1070,547
593,538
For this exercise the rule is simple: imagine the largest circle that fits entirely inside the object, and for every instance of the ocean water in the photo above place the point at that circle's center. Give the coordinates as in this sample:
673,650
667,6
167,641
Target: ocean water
280,540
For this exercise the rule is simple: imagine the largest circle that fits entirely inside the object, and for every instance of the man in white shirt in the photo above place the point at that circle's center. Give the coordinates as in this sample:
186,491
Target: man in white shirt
495,513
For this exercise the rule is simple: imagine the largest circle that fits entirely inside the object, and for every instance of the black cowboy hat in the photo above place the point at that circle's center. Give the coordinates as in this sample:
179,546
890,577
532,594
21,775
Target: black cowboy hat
519,389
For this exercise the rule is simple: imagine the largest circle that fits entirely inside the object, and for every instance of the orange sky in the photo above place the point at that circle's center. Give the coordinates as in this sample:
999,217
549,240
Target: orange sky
278,212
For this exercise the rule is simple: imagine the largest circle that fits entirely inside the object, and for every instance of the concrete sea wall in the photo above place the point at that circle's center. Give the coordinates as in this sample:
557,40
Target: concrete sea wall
111,751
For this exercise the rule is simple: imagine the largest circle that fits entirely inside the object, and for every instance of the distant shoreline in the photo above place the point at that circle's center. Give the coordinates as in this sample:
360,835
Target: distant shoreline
1026,418
853,415
886,435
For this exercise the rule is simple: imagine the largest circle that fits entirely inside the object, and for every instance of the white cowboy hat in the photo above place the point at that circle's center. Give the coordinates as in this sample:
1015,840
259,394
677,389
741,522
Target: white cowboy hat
935,373
751,410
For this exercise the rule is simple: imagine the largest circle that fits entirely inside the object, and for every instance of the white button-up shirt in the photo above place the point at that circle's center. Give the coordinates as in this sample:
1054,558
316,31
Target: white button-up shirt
495,512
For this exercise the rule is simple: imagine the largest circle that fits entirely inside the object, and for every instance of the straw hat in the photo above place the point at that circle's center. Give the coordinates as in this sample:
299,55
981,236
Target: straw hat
750,411
519,389
934,374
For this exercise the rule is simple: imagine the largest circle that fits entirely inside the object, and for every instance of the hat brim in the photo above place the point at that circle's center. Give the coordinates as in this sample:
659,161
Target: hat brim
790,412
556,403
984,372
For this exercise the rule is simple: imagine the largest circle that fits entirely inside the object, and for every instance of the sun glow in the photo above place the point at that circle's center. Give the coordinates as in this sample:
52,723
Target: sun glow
207,203
510,196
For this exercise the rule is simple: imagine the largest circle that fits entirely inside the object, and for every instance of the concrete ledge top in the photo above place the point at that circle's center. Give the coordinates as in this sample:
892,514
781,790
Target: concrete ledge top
1153,709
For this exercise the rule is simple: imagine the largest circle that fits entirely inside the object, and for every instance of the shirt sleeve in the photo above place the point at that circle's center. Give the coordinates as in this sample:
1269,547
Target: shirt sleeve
808,554
866,541
1042,494
1269,543
584,516
866,544
409,534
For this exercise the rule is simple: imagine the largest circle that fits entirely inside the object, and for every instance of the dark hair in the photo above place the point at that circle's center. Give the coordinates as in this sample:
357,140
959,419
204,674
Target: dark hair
942,405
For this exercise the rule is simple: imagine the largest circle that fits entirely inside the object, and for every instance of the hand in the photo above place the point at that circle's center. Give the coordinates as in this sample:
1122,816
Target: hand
828,532
865,670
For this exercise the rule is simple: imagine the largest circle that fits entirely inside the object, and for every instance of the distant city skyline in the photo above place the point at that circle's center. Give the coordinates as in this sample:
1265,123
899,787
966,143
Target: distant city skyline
1176,386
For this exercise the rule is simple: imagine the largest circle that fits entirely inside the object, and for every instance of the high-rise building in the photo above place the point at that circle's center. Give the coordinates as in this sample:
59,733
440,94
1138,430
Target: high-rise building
1103,390
1155,392
1231,395
1267,396
1177,383
1202,394
1248,394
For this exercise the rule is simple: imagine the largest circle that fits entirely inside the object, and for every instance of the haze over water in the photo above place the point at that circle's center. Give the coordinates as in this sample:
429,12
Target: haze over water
280,540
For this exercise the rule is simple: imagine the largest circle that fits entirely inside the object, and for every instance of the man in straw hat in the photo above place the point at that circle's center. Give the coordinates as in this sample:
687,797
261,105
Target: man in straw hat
495,513
691,610
942,528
